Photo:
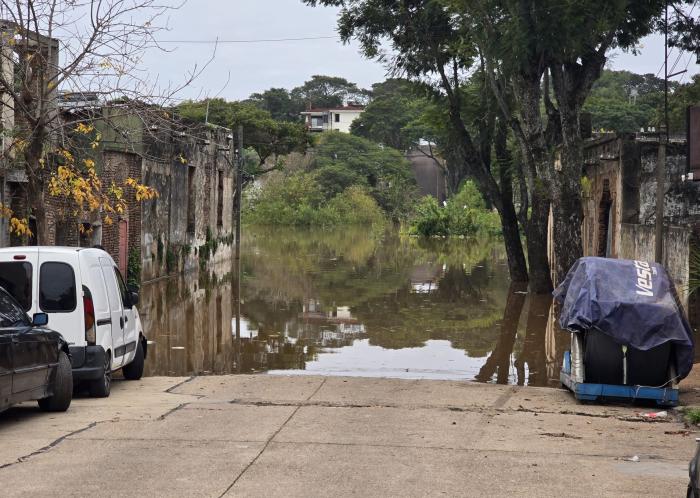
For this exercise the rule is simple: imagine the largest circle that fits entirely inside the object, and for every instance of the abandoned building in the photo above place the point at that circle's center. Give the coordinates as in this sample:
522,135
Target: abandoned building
189,167
428,170
619,204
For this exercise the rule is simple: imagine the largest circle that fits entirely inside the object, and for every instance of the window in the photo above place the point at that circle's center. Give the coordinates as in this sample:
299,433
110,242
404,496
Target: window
220,200
337,118
190,200
57,288
325,118
126,301
11,315
16,278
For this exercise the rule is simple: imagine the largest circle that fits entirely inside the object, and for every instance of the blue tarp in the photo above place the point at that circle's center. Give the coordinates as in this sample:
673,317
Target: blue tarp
633,302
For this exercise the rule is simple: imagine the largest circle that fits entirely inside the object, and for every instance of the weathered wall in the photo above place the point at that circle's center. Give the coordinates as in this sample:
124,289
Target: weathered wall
193,215
429,176
638,242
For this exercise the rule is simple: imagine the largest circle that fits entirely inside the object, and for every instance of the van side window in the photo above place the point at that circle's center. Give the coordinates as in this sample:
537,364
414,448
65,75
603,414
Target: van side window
16,278
126,301
57,288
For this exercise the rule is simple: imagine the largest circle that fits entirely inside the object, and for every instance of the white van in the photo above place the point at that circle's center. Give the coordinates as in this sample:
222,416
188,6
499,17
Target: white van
87,301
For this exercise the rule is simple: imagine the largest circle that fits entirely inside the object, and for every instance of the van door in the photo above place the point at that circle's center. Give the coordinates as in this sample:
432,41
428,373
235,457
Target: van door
130,332
116,313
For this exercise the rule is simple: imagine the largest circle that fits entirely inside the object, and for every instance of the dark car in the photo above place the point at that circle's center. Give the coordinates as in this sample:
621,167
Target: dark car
694,484
34,361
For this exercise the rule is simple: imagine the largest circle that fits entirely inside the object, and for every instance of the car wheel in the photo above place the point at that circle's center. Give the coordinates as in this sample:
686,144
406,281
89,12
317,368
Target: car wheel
62,387
99,388
134,370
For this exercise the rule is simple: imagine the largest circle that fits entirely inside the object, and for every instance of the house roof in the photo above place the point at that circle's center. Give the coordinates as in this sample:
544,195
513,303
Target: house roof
346,108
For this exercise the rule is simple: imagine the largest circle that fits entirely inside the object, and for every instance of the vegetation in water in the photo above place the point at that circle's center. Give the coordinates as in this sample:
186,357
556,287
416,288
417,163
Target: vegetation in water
348,180
463,214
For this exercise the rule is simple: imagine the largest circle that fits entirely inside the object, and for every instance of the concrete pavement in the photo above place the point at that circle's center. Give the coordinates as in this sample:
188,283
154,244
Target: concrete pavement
312,436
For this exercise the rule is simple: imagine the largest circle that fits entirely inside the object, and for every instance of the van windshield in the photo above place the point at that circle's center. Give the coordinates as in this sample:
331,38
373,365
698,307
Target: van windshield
16,278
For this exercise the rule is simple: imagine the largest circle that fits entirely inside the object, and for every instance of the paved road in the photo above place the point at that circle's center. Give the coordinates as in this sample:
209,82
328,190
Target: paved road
311,436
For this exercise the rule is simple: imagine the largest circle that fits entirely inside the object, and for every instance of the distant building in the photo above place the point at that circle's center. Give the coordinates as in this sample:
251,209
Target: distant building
332,119
429,171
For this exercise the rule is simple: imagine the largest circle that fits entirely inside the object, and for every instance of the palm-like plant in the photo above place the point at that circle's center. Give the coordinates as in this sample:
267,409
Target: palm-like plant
694,283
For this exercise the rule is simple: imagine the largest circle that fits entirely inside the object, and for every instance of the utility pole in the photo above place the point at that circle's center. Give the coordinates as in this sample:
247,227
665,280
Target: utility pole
237,260
661,162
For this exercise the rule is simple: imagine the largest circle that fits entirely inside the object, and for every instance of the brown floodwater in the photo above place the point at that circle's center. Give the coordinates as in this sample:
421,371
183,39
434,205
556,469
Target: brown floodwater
357,303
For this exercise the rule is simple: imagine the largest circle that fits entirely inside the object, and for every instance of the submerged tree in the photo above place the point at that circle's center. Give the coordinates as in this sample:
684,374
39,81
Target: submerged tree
430,48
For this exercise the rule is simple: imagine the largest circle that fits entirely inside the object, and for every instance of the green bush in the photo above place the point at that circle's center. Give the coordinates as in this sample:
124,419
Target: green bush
464,214
298,200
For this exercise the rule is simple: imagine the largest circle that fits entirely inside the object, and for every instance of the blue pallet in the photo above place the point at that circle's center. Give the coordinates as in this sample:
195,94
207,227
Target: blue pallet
663,396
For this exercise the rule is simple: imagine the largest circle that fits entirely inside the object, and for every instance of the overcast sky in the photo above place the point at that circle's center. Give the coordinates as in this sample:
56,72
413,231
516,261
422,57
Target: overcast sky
257,66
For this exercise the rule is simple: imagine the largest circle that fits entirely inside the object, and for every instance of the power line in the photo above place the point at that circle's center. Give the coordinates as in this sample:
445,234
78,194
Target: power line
259,40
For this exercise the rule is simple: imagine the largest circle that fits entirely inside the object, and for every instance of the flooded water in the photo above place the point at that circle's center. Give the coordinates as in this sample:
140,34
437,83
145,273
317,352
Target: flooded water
351,302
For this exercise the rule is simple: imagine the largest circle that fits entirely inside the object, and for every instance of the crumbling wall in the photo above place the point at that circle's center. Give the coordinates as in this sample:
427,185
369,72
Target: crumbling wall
638,242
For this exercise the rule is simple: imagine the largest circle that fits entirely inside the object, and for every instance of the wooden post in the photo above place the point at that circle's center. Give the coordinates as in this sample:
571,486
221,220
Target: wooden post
660,194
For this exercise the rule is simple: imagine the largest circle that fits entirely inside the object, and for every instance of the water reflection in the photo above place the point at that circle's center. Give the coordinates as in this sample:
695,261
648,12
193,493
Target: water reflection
352,302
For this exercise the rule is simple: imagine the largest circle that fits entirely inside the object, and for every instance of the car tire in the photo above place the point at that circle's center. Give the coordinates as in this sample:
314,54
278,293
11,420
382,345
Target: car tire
134,370
100,388
62,387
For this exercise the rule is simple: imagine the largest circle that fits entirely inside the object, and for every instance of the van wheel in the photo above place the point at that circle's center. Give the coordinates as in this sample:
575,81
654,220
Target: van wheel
134,370
99,388
62,387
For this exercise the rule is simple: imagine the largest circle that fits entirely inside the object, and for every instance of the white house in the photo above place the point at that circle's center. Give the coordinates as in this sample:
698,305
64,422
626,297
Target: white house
334,119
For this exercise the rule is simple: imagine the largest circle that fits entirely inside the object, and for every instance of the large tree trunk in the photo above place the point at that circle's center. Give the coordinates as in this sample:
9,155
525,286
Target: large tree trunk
509,219
36,205
487,185
530,131
536,230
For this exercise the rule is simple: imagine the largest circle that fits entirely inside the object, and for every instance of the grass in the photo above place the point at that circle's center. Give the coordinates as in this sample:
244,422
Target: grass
691,415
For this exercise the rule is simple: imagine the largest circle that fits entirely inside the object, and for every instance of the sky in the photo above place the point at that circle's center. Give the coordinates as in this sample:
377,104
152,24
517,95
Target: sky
239,69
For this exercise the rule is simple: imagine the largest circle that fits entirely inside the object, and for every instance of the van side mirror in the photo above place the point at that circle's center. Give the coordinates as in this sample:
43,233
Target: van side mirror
40,319
134,298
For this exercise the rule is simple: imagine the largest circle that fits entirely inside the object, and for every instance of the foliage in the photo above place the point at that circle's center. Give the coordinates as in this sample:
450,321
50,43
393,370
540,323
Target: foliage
133,267
623,101
279,103
683,96
37,70
268,137
328,91
382,171
694,285
390,117
298,199
691,415
464,214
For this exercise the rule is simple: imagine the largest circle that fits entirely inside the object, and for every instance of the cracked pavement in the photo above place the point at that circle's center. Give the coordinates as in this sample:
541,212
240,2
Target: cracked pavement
314,436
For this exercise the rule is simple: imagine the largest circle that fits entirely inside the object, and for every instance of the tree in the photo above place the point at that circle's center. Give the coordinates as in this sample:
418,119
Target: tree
328,91
279,103
268,137
341,160
626,102
101,44
391,115
430,48
523,45
682,97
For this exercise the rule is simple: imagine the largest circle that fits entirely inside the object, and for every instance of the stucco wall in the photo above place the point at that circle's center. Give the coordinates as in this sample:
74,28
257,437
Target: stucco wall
638,242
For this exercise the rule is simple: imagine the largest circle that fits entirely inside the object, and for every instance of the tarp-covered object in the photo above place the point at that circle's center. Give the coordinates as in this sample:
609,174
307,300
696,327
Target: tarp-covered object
633,302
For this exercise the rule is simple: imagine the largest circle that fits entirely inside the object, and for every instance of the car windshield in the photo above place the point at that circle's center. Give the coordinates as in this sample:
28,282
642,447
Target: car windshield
11,315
